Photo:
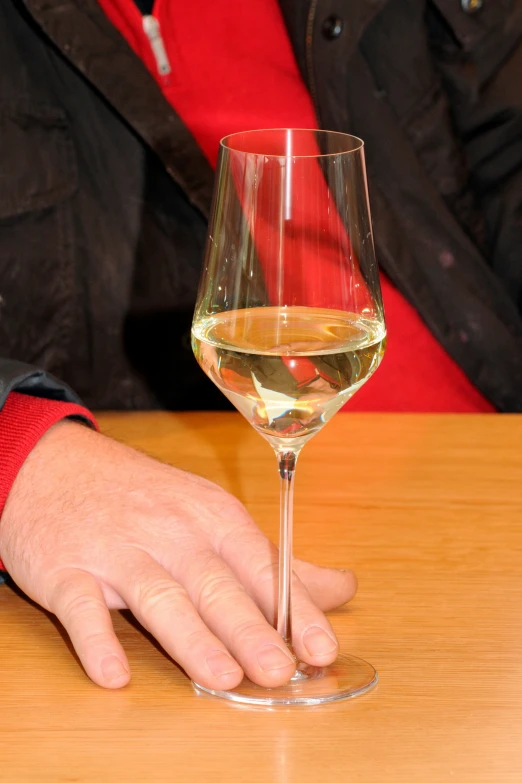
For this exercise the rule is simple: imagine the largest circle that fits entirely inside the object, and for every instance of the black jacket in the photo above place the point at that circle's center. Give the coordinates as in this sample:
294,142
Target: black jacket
104,194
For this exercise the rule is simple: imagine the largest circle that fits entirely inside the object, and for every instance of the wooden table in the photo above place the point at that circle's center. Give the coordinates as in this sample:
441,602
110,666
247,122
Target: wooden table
426,509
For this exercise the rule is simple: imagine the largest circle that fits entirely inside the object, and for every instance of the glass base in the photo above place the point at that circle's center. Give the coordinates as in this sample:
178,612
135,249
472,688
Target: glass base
345,678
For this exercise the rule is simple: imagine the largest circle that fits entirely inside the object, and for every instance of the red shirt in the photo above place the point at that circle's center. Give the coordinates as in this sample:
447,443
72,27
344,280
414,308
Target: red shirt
224,77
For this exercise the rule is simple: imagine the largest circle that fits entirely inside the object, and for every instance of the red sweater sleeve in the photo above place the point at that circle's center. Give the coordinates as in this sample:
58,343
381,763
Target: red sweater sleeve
23,421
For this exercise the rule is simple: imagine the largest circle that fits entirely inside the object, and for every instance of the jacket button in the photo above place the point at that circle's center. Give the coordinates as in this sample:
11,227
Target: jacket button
332,27
471,6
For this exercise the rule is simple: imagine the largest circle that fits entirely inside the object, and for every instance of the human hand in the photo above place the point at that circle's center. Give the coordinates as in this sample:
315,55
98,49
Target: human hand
92,525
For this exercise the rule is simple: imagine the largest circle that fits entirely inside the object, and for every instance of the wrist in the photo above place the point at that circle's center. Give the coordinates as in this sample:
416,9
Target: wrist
26,422
39,462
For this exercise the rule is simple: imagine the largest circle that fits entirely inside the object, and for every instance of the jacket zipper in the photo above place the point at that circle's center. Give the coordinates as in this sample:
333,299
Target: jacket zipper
152,29
309,52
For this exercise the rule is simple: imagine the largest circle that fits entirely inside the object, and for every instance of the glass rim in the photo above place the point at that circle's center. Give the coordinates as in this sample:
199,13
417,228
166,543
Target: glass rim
359,148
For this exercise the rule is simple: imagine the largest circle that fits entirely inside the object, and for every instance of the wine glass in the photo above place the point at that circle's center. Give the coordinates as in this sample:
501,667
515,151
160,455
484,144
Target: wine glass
289,324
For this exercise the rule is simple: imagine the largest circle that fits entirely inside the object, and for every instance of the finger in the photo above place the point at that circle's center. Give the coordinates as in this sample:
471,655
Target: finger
255,561
163,606
77,600
329,588
235,618
313,638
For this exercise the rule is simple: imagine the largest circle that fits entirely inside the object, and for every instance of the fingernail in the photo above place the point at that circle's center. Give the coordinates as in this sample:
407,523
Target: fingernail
318,642
220,663
272,657
112,668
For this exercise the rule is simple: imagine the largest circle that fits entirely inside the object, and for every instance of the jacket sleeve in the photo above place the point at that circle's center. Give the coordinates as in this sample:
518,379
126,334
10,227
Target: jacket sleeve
480,57
16,376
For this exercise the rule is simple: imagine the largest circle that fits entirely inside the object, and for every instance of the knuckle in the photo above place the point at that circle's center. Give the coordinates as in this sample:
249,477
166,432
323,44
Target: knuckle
70,598
216,589
153,595
234,506
81,604
246,534
64,586
214,582
229,503
229,507
197,639
248,632
266,573
96,639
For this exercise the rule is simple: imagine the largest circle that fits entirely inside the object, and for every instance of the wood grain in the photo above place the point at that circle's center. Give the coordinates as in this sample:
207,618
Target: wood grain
427,509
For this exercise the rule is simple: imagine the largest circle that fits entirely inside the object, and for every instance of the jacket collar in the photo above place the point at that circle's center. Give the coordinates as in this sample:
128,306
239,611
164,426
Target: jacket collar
84,36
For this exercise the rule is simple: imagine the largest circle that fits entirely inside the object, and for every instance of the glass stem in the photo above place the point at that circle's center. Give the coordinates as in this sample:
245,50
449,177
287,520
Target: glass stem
286,461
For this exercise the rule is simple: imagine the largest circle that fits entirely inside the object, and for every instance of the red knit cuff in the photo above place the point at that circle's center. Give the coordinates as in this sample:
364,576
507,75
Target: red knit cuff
23,421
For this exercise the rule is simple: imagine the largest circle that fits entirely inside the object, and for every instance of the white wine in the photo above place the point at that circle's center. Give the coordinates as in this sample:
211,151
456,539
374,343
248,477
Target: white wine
288,369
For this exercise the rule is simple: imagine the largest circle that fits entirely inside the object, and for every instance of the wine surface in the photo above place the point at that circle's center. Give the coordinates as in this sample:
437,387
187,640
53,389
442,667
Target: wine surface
288,369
